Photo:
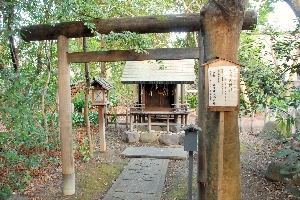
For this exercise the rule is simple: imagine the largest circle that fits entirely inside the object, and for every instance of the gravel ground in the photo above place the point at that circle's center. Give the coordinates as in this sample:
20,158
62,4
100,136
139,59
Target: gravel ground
256,155
254,161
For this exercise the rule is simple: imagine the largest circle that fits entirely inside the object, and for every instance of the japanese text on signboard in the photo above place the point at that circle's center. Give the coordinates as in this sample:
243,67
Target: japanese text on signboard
223,85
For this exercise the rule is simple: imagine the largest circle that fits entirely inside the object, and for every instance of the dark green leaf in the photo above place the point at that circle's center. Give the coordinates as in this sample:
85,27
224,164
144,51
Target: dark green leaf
283,152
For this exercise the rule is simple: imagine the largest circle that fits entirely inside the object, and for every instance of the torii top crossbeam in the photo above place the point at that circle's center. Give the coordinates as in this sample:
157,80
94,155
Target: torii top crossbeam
146,24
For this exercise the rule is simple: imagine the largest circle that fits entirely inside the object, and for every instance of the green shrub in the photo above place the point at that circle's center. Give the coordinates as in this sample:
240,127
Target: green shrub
79,121
93,116
290,141
79,101
192,100
5,191
84,149
113,99
291,155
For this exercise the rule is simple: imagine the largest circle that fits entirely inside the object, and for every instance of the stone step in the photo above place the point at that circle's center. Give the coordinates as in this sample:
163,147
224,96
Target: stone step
142,178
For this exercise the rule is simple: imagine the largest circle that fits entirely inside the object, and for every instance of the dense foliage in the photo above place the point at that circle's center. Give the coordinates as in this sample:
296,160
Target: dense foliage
271,59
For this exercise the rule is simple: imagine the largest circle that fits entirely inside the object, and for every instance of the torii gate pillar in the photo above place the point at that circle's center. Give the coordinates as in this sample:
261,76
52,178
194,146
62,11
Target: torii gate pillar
65,118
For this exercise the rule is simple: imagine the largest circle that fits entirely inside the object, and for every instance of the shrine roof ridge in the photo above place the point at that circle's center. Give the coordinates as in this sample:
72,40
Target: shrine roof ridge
220,58
102,82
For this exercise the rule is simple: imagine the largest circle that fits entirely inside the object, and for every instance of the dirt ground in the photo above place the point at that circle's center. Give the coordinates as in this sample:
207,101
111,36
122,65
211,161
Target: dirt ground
256,154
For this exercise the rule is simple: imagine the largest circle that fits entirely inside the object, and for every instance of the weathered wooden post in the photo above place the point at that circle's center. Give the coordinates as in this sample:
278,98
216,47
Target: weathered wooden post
101,125
222,83
65,119
149,123
100,99
176,101
182,102
126,118
202,161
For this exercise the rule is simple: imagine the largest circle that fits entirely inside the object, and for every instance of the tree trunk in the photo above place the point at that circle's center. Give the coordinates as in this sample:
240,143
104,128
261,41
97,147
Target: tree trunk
12,47
48,61
86,107
295,5
103,69
221,24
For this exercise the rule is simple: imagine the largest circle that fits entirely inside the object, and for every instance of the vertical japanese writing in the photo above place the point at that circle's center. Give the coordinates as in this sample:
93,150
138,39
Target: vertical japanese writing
223,85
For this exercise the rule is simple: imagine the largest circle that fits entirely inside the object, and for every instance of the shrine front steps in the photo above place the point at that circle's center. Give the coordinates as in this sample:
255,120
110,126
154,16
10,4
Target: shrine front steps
152,152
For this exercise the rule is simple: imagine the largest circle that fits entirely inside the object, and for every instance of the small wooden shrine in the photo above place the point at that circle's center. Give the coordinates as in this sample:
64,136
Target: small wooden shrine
158,86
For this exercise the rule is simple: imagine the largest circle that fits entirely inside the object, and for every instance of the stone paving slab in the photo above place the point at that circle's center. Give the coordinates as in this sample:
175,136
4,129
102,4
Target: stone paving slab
152,152
142,178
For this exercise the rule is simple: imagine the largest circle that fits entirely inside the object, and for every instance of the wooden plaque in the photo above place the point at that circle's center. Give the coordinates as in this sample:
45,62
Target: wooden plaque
222,86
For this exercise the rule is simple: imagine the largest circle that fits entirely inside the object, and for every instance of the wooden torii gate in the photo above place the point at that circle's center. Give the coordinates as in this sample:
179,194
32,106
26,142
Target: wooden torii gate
149,24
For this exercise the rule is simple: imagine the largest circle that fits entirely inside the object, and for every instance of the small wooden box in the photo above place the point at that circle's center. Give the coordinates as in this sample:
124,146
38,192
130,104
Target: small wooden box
100,91
99,97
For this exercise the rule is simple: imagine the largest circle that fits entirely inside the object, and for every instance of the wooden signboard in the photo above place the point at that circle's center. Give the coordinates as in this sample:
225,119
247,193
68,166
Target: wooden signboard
222,85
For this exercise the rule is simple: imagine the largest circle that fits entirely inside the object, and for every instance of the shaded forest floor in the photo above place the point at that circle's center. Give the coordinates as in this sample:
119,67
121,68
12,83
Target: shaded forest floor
94,177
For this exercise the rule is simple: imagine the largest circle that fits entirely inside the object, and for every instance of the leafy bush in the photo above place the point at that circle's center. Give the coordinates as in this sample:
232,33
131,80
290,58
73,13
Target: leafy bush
113,99
78,119
291,141
21,146
93,116
192,100
79,101
84,149
291,154
5,191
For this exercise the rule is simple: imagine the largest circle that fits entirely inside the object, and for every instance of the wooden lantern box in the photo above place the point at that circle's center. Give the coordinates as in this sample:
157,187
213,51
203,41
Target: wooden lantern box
100,92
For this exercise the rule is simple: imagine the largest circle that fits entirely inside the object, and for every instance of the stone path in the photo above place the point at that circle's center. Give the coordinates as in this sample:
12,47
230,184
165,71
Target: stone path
142,178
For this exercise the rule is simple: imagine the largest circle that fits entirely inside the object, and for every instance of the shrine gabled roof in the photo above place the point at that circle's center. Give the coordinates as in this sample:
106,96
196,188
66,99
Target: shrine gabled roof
103,83
159,72
218,59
